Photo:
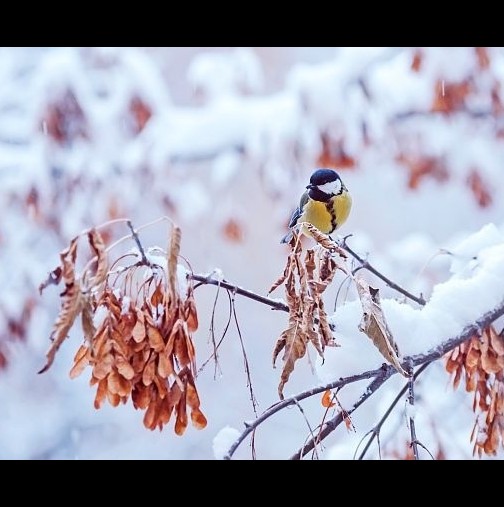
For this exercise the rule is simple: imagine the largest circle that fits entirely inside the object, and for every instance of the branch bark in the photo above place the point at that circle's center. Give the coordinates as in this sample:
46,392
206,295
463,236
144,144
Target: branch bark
364,264
276,305
380,376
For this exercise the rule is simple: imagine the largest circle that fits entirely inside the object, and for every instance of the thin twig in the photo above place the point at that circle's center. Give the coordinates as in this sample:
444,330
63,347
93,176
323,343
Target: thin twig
137,241
426,450
212,334
245,359
375,432
224,333
298,405
379,375
333,423
411,401
366,265
249,427
276,305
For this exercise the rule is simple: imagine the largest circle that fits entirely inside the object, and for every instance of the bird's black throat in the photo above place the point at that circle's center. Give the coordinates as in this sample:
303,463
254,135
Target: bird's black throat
318,195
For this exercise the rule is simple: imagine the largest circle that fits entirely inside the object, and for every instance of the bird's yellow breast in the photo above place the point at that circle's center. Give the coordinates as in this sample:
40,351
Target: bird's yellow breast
327,216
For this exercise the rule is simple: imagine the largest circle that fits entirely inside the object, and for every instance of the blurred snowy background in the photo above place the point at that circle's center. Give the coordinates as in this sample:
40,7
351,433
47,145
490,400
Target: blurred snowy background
223,140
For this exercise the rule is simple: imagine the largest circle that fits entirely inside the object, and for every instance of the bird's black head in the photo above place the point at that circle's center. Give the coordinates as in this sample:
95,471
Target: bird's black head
324,184
323,176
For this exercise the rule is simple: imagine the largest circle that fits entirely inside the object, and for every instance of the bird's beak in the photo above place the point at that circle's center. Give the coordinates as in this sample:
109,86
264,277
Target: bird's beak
310,186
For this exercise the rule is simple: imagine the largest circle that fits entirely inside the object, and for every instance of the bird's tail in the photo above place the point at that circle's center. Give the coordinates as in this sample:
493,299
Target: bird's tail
287,238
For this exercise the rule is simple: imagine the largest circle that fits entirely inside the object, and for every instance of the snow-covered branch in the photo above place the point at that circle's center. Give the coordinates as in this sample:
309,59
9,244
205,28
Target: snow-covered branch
380,376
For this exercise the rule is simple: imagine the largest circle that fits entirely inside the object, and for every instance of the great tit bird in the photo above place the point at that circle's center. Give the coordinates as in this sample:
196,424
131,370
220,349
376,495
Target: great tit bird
326,203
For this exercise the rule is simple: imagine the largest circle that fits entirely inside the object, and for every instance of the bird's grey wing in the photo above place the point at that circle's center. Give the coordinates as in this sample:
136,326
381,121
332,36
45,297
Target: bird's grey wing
299,210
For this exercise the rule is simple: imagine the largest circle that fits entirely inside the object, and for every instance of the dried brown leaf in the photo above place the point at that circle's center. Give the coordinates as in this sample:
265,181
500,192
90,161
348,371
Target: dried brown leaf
70,308
472,356
191,314
138,332
126,324
151,415
88,327
117,384
98,247
198,419
101,393
139,360
192,397
456,379
113,398
327,399
295,348
282,277
165,365
155,338
496,341
81,360
173,254
149,372
165,411
324,328
103,366
490,363
324,240
161,386
181,422
141,396
99,342
157,297
117,342
375,326
54,278
124,367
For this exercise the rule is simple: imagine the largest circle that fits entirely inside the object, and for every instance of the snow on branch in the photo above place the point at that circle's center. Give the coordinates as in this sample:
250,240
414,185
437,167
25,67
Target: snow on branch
379,375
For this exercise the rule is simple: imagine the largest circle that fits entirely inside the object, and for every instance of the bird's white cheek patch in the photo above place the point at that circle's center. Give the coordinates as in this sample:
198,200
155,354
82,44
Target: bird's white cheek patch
332,187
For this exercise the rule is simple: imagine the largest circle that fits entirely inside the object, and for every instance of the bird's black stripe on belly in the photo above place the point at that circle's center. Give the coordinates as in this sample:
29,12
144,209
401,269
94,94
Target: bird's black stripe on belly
332,212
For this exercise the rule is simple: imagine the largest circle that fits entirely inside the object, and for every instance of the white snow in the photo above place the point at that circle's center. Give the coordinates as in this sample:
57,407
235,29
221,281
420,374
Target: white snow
223,441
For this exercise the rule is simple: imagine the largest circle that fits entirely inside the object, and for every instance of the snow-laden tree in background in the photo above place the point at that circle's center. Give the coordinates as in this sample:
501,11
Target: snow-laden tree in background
223,144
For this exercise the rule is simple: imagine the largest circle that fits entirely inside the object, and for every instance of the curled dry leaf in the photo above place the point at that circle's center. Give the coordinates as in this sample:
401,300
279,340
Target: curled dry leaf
375,326
173,254
327,399
98,248
71,302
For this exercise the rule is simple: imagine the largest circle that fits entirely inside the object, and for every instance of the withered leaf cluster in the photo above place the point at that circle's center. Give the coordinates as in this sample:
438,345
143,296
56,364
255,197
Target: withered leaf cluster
481,359
305,278
137,330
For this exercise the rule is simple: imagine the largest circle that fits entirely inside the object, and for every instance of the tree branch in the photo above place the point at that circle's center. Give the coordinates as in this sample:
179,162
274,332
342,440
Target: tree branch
411,401
276,305
134,235
380,375
333,423
294,400
364,264
376,430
